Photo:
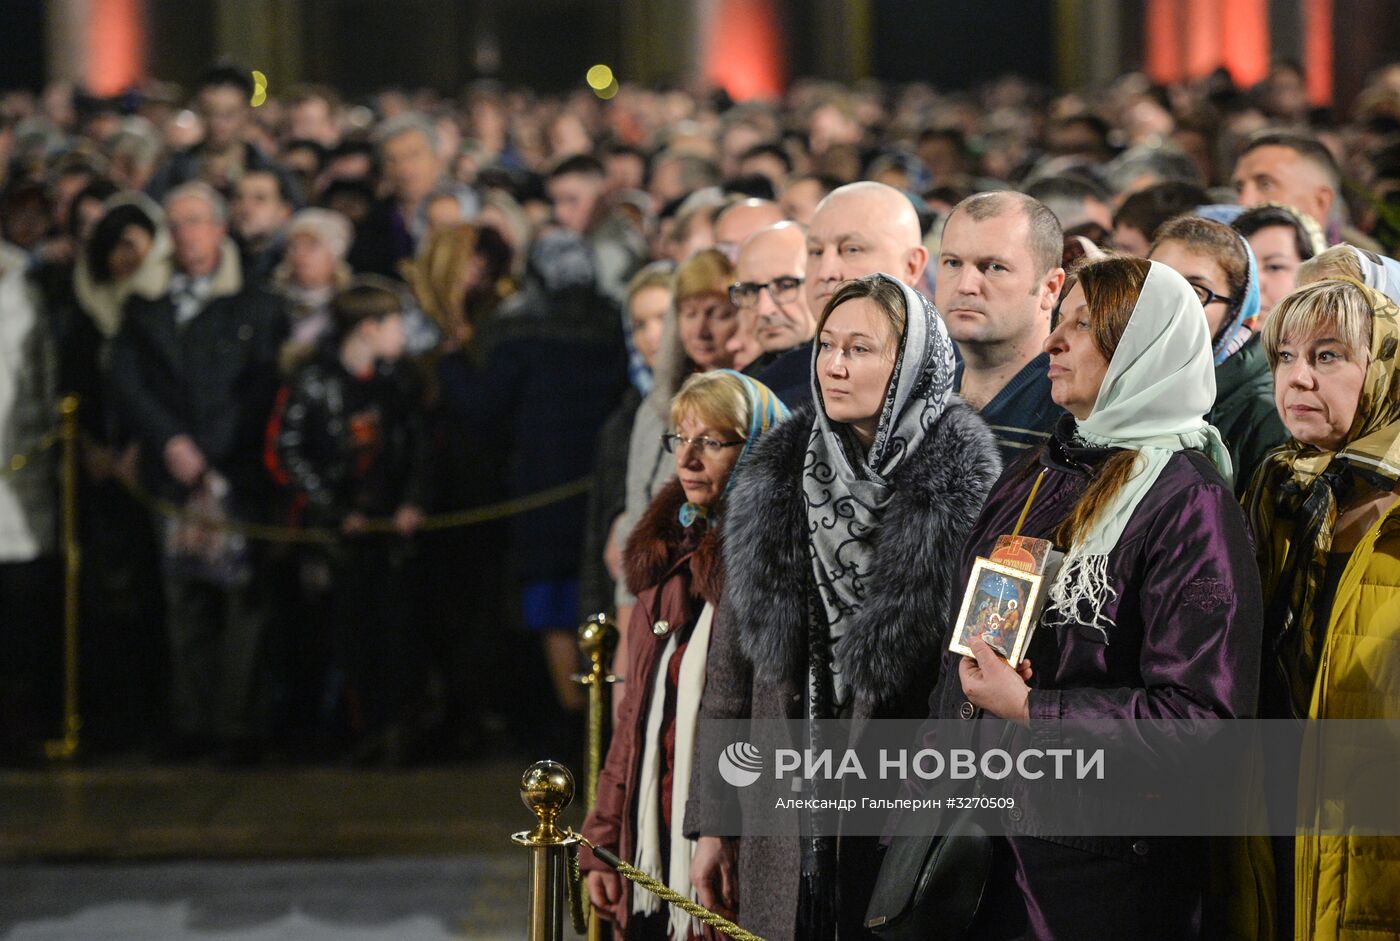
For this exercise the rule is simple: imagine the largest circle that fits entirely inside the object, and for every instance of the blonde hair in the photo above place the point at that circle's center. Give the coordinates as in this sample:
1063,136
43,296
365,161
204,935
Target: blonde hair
708,271
716,398
1339,261
435,274
1335,306
658,274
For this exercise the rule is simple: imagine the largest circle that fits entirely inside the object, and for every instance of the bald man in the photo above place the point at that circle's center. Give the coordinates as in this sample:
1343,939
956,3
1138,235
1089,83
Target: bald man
768,292
739,220
860,229
733,224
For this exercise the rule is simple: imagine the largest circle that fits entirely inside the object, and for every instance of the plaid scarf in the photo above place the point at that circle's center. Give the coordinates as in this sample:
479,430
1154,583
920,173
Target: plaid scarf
1308,485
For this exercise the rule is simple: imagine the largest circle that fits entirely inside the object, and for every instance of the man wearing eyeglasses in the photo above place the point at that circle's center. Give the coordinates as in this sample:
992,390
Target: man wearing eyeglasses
733,225
768,292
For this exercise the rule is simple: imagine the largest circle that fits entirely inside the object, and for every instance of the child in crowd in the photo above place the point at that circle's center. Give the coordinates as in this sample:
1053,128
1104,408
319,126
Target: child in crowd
349,441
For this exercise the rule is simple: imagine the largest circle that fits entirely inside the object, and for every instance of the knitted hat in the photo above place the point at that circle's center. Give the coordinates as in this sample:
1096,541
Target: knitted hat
329,228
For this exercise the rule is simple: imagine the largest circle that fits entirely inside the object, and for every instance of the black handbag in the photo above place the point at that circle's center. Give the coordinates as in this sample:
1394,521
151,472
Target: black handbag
930,885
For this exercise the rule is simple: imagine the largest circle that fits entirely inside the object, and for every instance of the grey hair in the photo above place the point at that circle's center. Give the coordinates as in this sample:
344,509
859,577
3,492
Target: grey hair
136,139
202,191
405,124
1165,163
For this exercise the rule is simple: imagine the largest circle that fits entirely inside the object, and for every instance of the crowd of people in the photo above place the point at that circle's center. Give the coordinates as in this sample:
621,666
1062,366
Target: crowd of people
784,371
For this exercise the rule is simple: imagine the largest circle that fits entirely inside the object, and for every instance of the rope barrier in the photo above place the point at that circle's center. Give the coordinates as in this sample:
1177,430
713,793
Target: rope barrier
19,462
664,892
266,532
579,909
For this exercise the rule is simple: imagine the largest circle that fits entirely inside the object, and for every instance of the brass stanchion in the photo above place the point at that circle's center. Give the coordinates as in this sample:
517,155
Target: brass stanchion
597,638
547,788
66,748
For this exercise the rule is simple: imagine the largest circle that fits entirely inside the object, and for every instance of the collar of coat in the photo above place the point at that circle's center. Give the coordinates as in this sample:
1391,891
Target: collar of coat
655,546
894,645
228,277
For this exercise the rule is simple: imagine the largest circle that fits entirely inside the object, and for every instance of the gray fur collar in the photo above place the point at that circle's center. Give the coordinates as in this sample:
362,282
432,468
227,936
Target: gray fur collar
893,648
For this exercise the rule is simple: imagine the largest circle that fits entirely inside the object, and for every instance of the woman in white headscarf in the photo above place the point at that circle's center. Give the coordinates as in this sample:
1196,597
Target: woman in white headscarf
840,551
1155,614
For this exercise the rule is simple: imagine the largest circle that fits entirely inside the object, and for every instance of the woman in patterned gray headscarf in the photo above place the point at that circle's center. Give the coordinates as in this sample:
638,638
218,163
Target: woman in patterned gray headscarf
841,544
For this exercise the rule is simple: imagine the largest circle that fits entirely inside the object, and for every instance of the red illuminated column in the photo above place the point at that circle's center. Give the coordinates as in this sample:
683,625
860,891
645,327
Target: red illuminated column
116,45
1190,38
742,47
100,44
1245,31
1163,41
1317,51
1203,39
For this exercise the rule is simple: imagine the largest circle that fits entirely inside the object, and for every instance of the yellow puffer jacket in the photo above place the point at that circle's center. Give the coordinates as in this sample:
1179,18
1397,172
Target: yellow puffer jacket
1348,888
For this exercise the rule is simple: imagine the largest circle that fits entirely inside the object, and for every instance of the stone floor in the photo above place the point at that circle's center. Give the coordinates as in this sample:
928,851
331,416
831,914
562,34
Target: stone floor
320,853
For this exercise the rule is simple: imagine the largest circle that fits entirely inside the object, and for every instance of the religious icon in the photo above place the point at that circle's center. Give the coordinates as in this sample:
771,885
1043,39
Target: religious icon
998,606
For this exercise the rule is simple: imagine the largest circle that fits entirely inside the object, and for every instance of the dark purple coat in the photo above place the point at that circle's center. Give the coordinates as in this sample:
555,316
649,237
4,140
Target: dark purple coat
1185,643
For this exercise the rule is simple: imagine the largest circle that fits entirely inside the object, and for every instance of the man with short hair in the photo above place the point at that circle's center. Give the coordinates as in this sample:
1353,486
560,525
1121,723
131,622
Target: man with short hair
194,374
577,188
800,197
261,208
768,160
677,173
314,114
221,100
768,290
413,171
626,168
999,279
1081,206
1298,171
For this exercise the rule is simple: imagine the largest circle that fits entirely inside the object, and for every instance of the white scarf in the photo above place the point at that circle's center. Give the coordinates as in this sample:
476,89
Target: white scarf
1158,388
690,683
1380,273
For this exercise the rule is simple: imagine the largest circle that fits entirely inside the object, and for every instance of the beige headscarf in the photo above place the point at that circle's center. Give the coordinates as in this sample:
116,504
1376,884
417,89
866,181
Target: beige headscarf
1307,484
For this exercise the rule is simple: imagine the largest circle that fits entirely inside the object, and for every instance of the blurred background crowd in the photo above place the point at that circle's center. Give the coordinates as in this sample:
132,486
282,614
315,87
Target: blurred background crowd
348,318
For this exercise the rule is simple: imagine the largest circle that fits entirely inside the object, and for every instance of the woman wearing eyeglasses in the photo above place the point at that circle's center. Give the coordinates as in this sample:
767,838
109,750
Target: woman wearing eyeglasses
672,565
697,329
840,551
1219,265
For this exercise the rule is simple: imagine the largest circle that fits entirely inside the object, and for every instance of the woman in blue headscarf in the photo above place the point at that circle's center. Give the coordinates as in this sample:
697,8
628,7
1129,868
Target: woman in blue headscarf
672,564
1220,267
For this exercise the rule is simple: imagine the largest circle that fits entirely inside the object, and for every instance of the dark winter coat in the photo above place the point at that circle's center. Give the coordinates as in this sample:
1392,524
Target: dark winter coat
672,581
1185,644
185,165
606,502
329,421
382,241
758,654
790,376
553,373
1244,412
214,379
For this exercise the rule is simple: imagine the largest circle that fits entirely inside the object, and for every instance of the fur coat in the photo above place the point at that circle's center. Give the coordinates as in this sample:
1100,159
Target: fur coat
758,654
